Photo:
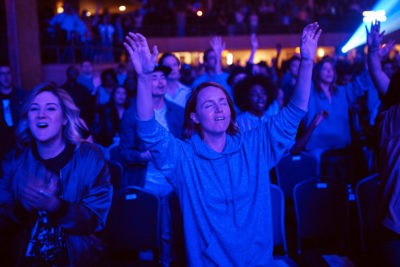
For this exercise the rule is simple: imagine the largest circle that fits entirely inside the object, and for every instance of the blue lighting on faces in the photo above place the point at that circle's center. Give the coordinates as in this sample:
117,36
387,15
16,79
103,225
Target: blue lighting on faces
392,23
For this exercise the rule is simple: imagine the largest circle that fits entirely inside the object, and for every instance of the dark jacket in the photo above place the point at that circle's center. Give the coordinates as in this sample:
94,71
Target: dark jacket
107,125
7,140
131,147
86,193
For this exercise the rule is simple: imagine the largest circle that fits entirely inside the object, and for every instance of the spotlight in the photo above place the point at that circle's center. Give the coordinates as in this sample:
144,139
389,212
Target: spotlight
199,13
122,8
386,11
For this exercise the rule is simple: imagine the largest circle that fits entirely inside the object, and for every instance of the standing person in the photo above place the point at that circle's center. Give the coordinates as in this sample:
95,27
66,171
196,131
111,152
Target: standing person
138,160
107,123
387,245
80,94
55,191
220,174
213,66
177,92
256,98
10,105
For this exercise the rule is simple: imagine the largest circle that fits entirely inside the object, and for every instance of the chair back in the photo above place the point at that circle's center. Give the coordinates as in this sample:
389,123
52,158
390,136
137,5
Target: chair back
293,169
178,237
278,217
322,214
366,196
133,222
116,173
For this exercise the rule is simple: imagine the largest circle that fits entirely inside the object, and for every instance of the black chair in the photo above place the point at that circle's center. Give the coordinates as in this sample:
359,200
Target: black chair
278,217
278,222
322,219
366,196
293,169
116,173
178,237
133,223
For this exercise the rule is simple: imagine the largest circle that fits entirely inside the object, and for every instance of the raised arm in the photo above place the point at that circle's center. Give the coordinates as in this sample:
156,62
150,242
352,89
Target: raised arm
218,46
254,47
308,47
143,61
374,38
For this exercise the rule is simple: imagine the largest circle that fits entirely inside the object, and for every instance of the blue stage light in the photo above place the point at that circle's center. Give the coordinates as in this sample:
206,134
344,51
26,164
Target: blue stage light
391,24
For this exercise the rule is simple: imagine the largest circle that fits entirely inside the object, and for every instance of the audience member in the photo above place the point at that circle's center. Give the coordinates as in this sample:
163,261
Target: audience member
10,105
55,190
177,92
139,161
255,96
108,84
212,64
220,174
386,248
107,123
83,99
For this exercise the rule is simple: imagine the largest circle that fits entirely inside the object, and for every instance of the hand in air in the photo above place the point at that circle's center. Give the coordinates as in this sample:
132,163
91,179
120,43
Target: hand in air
253,41
142,59
374,36
217,45
309,41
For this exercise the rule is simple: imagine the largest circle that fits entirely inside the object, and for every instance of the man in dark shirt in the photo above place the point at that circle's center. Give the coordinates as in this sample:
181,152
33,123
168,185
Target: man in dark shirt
81,95
11,101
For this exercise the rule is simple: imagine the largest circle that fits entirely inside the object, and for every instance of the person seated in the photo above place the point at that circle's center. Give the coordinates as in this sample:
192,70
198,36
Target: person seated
219,173
177,92
55,190
255,96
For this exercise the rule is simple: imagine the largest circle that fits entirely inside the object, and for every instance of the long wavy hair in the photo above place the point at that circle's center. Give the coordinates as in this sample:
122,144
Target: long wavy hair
316,74
190,127
72,130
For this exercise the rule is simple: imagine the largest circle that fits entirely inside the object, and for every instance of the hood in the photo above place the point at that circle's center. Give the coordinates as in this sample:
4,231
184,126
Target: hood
233,145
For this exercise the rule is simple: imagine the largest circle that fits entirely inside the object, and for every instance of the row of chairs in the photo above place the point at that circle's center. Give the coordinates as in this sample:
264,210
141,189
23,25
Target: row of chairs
321,206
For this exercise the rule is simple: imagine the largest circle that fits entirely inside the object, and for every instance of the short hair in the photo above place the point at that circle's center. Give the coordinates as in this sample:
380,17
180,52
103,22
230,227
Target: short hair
73,128
165,55
242,89
190,127
206,53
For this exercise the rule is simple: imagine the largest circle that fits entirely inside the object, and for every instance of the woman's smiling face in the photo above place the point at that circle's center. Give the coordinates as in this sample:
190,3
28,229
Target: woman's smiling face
45,118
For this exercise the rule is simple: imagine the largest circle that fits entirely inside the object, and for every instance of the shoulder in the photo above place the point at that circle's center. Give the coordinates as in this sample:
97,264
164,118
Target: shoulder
172,107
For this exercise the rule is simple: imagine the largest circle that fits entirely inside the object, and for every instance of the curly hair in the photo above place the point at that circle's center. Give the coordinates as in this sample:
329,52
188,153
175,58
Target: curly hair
190,127
73,128
242,89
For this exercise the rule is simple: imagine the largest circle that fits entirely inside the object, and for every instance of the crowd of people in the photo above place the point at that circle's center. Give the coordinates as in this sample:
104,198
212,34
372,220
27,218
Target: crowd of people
211,135
101,34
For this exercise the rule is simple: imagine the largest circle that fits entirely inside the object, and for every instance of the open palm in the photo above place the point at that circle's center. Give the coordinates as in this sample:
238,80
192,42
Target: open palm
142,59
309,41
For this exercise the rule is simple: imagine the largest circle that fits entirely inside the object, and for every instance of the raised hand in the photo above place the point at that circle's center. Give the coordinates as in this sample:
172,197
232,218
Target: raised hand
142,59
217,45
374,37
309,41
